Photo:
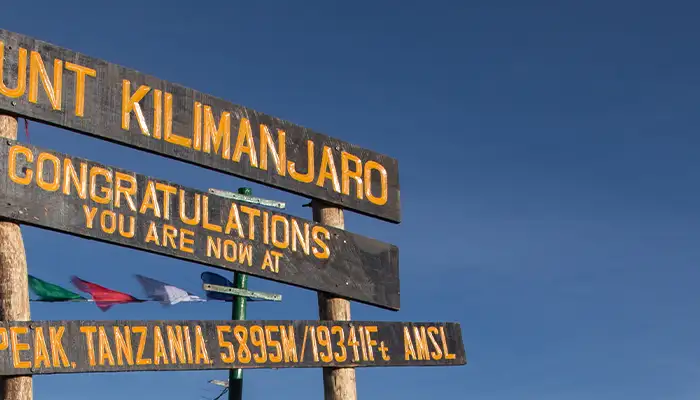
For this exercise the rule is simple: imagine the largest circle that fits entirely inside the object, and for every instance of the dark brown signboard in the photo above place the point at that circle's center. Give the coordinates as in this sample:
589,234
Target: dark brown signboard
81,197
63,88
55,347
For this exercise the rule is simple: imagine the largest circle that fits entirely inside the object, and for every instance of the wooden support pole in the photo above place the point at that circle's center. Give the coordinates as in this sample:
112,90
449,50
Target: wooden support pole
14,291
338,383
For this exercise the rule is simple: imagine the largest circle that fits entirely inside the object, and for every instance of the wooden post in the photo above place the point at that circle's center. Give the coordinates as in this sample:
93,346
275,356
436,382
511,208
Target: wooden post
338,383
14,292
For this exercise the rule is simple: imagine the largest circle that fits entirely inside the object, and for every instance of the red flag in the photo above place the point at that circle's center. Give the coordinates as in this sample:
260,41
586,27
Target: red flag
104,298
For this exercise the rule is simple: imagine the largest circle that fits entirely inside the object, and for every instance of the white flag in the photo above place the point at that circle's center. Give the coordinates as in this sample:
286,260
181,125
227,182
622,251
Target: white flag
165,293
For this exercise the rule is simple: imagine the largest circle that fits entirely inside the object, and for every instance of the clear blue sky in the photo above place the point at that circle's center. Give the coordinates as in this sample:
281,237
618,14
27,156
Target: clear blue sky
550,174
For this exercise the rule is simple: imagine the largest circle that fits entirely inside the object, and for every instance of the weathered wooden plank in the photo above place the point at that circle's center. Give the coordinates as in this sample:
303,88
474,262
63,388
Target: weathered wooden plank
83,198
125,106
55,347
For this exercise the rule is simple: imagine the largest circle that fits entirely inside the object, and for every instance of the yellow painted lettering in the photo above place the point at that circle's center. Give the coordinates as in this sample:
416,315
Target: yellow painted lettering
245,143
279,158
167,192
409,351
141,330
214,247
384,189
197,209
18,91
186,240
169,234
230,250
112,225
89,331
201,353
241,335
234,221
104,347
370,341
168,134
245,251
29,156
205,217
363,344
284,243
159,347
443,338
18,346
157,113
188,344
289,344
122,346
299,237
228,357
132,230
70,175
437,354
41,352
219,137
89,215
275,344
106,190
352,342
150,200
257,338
347,174
49,186
81,73
57,350
265,225
324,339
176,345
343,355
53,91
325,252
328,170
152,234
267,262
120,190
252,213
131,103
309,175
197,126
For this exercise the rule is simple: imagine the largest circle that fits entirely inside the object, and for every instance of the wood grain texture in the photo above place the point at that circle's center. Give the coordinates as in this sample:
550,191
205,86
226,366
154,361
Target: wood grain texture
338,383
177,345
14,291
359,268
102,118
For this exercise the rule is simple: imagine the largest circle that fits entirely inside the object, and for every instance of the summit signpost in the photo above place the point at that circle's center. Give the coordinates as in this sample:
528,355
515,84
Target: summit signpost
40,187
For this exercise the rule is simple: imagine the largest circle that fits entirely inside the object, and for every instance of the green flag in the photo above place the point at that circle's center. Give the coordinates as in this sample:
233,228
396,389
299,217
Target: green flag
50,292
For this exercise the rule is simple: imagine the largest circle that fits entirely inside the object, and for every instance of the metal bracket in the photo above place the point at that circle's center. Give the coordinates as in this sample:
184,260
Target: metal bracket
242,292
248,199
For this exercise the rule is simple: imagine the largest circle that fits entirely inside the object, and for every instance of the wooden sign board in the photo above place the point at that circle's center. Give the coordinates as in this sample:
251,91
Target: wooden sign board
56,347
80,197
63,88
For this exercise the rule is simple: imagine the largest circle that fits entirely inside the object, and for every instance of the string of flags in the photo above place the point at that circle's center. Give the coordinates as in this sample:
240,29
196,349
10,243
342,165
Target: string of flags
104,298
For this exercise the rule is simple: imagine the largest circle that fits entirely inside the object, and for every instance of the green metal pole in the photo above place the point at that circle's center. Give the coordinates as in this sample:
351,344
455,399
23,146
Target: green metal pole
235,376
240,281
